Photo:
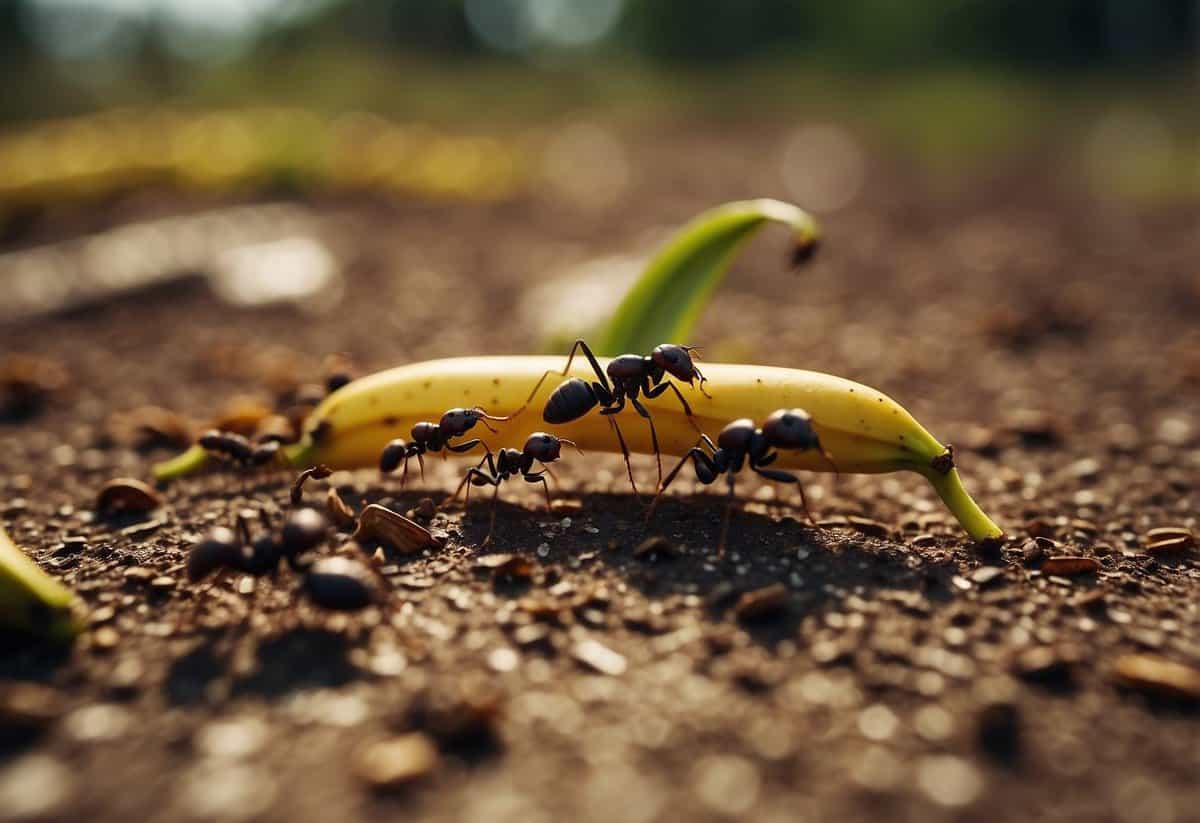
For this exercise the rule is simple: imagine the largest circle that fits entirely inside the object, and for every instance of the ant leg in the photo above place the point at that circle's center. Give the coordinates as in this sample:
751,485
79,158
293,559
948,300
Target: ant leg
536,477
421,463
487,458
655,391
487,541
706,471
625,454
785,477
465,446
404,473
725,519
653,434
579,344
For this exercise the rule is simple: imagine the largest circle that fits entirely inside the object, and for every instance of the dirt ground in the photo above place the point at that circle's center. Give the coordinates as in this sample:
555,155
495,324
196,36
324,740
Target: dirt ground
903,675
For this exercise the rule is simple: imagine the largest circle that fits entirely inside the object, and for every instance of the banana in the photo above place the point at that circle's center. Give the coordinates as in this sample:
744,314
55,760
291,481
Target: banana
862,429
32,602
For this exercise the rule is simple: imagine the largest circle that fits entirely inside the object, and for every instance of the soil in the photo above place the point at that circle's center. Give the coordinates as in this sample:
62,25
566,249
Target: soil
894,671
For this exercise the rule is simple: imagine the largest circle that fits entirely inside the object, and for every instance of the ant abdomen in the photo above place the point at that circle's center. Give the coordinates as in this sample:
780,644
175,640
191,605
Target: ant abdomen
570,401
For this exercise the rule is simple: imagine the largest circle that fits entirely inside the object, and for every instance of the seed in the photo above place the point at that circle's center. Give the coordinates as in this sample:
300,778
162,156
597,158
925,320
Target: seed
1159,676
341,514
303,531
219,549
762,603
341,584
1170,545
394,529
598,657
392,764
126,494
1169,533
1070,565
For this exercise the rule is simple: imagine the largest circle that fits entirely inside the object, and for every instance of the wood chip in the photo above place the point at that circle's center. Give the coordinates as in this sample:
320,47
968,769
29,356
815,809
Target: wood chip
599,658
1159,676
1070,565
762,603
339,512
126,494
394,530
398,762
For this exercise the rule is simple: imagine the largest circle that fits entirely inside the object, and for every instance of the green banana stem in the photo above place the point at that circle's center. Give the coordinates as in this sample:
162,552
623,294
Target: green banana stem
950,488
189,462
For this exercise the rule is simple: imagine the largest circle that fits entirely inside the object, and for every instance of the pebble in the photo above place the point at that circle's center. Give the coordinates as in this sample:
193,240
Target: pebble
949,781
105,638
503,660
341,584
600,658
98,723
760,604
35,786
140,574
28,708
398,762
1046,666
223,790
1158,676
878,722
233,738
727,783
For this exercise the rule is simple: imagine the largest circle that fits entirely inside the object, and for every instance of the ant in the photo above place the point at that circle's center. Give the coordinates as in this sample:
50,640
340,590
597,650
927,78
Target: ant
435,437
623,380
238,449
741,442
540,447
222,550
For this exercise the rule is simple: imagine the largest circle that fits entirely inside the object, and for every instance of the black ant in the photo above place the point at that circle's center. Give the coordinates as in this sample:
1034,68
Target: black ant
238,449
540,447
741,442
625,378
434,437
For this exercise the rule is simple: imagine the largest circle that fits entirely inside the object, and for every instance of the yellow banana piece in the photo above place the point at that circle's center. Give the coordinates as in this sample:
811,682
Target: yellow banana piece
862,429
32,602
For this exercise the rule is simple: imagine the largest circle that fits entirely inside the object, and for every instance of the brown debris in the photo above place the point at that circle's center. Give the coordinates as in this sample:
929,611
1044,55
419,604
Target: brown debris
126,494
151,427
655,548
869,527
398,762
26,384
28,708
242,415
393,529
1158,676
599,658
761,604
339,511
1068,565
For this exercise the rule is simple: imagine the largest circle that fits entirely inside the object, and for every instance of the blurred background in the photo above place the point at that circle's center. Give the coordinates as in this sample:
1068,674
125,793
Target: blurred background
116,111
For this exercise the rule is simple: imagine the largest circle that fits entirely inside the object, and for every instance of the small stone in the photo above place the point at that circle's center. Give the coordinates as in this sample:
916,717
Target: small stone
1046,666
163,583
760,604
655,548
727,783
398,762
1158,676
98,723
599,658
985,575
425,509
105,638
126,494
233,738
878,722
342,584
34,787
28,708
503,660
140,574
949,781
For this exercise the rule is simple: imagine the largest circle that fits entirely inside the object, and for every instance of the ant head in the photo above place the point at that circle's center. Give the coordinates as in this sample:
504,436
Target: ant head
458,421
737,435
675,360
424,431
543,447
790,429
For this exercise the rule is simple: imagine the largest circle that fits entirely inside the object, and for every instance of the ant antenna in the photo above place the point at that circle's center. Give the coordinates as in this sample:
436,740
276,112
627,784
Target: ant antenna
572,444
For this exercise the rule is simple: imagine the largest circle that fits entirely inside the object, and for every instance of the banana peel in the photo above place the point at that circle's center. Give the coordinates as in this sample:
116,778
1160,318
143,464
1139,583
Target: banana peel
31,601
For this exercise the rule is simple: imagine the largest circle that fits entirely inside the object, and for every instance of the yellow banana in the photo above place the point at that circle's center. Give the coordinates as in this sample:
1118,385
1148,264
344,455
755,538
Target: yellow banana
31,601
862,429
